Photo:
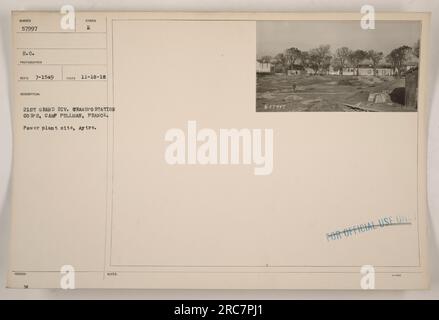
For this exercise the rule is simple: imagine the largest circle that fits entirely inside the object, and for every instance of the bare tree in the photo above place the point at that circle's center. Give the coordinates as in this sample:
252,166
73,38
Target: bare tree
313,62
341,58
292,55
355,58
320,58
304,59
375,57
398,58
282,61
266,59
326,63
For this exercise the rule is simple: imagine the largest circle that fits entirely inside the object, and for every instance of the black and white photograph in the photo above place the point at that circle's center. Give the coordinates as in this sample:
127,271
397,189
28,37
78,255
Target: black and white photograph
337,66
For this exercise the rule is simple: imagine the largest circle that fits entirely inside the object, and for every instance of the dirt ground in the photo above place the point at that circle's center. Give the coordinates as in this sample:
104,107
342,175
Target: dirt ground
277,92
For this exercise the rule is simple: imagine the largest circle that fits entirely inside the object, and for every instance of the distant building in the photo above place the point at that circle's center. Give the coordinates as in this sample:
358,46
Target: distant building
413,62
387,71
411,65
364,69
336,72
264,67
333,71
349,71
380,71
296,69
309,71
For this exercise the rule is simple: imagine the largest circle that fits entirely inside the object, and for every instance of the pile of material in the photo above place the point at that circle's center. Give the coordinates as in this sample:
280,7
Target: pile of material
381,97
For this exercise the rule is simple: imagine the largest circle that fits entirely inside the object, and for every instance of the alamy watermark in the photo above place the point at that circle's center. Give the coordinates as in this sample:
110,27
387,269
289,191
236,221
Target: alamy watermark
67,280
68,17
225,147
367,281
368,19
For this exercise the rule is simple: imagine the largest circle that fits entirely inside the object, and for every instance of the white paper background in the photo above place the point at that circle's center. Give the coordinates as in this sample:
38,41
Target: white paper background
218,5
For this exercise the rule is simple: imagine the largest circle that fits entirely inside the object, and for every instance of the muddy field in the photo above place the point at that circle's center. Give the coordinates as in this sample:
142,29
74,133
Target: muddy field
280,93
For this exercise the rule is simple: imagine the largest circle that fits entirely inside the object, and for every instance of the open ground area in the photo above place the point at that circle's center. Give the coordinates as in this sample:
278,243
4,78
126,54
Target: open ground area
339,93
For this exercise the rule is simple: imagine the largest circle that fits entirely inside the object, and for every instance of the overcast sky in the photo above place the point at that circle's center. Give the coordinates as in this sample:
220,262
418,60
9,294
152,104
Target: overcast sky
274,37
